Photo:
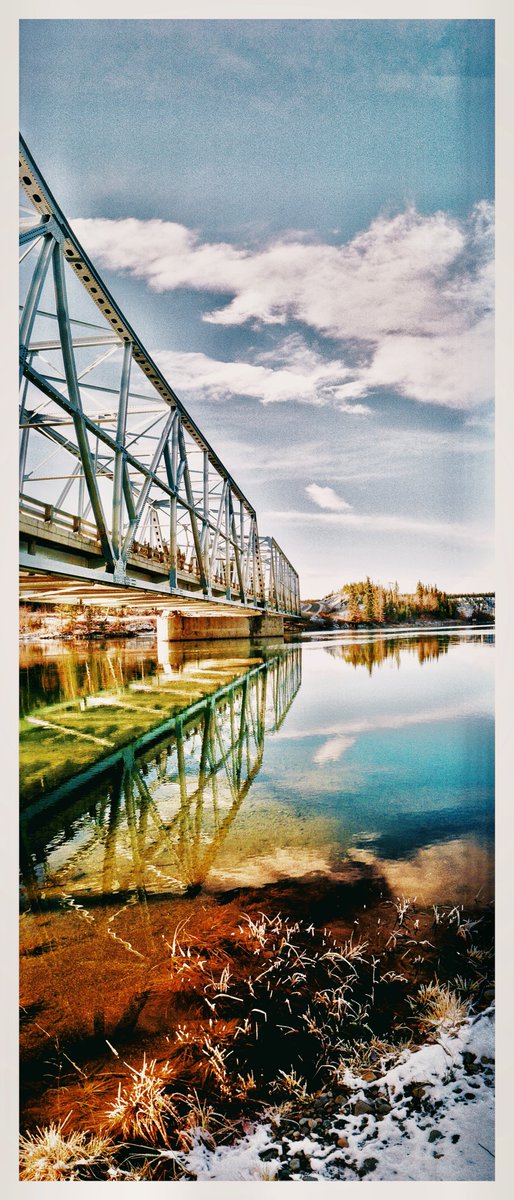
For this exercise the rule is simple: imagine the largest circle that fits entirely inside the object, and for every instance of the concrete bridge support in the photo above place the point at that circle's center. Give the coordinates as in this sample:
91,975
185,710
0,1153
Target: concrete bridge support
178,627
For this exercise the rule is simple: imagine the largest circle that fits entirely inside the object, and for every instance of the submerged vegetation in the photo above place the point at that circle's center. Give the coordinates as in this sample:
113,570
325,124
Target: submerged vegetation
257,1011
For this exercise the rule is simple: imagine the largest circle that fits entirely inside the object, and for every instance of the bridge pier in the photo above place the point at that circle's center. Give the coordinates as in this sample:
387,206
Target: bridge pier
179,627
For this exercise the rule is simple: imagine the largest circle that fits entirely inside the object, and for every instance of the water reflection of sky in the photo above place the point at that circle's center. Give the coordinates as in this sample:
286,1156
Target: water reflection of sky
380,765
392,769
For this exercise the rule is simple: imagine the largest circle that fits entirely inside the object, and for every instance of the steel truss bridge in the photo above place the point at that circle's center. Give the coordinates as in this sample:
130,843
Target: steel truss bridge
161,807
118,486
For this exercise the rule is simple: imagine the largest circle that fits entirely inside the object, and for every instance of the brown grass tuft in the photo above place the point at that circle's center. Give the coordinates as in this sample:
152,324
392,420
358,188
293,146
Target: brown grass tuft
142,1108
438,1008
50,1154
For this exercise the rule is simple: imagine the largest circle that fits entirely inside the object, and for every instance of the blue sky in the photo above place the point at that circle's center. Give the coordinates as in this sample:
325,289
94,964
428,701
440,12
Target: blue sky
296,216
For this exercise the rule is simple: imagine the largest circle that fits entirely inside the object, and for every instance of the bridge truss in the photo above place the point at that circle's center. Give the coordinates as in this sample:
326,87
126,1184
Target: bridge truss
117,483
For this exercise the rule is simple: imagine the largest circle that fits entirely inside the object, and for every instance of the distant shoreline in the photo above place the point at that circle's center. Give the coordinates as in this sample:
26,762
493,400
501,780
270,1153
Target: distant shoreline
311,628
317,626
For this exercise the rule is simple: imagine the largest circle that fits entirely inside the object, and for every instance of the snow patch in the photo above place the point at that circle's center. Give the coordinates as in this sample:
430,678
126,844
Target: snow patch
433,1120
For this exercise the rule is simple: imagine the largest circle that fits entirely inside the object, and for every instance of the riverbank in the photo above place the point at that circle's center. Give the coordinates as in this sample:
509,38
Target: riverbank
54,627
257,1046
429,1117
52,634
248,920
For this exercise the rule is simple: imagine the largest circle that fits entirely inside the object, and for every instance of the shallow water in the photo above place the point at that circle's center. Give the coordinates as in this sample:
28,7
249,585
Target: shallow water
349,757
321,781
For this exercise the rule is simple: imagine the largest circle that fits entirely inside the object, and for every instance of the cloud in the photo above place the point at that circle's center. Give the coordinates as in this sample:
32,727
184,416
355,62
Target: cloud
409,299
391,453
283,862
326,497
442,87
298,374
344,734
457,369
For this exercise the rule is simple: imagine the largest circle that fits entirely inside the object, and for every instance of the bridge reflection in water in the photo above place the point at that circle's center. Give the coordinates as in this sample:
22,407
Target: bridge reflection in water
156,818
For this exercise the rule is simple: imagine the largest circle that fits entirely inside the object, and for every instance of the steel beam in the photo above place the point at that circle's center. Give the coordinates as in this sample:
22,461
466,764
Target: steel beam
33,296
74,394
119,458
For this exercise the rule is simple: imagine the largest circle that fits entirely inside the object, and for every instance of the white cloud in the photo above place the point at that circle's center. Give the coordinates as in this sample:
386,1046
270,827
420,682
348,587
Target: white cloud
344,734
299,374
457,369
409,298
326,497
391,453
420,82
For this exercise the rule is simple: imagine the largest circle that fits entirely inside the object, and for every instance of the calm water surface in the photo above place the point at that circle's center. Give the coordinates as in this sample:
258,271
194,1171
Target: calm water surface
365,759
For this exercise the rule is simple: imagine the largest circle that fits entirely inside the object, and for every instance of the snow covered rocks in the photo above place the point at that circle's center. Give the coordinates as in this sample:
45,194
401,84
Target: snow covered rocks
430,1117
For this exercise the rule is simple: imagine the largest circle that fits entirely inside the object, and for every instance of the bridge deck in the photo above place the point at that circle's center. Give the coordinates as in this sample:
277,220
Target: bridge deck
40,587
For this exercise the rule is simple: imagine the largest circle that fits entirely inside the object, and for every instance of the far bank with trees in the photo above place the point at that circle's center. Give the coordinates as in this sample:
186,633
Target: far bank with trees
371,604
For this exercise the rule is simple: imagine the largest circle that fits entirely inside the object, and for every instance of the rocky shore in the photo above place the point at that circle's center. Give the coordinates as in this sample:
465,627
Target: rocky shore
429,1117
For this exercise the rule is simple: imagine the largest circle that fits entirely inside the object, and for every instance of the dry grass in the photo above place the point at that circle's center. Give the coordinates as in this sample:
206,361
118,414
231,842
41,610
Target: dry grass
142,1108
438,1008
267,1174
51,1155
292,1084
201,1120
262,1008
366,1059
217,1066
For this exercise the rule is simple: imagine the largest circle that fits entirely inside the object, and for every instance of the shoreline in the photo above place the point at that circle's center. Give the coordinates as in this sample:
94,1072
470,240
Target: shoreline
383,1052
420,628
416,1121
332,628
448,623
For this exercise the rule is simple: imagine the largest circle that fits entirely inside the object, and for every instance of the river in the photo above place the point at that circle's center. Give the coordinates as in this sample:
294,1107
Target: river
323,778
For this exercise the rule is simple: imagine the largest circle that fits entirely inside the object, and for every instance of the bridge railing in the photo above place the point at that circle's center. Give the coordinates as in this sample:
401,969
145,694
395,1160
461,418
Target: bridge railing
84,534
107,450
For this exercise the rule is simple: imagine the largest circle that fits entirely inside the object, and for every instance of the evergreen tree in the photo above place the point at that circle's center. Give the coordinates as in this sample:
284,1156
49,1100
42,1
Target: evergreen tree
369,599
354,612
389,611
379,605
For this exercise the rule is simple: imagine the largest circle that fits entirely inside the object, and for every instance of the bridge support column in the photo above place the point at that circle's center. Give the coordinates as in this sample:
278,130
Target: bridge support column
268,625
182,628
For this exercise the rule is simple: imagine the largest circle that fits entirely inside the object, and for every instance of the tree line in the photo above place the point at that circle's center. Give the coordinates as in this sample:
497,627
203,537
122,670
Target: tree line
368,602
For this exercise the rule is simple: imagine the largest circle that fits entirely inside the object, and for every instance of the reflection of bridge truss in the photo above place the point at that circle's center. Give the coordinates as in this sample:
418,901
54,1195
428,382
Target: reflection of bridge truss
117,483
156,823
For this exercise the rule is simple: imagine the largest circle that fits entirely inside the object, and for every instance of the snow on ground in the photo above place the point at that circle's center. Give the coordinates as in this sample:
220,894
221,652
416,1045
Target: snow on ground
431,1118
